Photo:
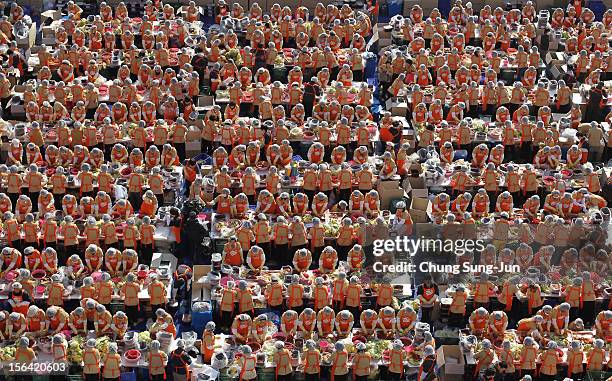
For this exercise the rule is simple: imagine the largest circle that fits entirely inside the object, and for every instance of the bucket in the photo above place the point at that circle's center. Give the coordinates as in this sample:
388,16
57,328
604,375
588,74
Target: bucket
199,320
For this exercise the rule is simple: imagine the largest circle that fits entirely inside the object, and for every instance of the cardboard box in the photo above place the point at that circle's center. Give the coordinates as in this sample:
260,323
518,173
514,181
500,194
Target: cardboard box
416,182
451,364
398,106
419,216
50,15
384,31
387,185
408,4
415,167
205,100
420,203
420,192
554,58
419,209
200,271
387,195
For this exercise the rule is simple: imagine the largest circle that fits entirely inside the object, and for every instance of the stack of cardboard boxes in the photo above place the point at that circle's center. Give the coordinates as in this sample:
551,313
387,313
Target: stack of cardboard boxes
420,206
383,35
398,106
200,290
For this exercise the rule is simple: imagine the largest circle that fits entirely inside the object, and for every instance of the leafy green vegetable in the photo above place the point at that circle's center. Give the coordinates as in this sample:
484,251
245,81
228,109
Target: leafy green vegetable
377,347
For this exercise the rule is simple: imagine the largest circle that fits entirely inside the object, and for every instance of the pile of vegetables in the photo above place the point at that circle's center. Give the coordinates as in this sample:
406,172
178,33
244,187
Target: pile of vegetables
234,54
479,126
516,349
77,344
7,353
414,303
376,348
447,333
307,218
332,227
268,349
561,341
279,60
144,338
75,350
102,344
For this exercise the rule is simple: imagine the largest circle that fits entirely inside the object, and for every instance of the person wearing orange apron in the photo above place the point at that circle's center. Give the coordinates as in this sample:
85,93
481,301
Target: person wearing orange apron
18,301
112,363
457,308
549,359
55,293
338,290
325,320
35,320
255,258
575,360
261,330
498,322
478,321
274,293
130,291
157,360
11,259
245,298
91,361
77,321
23,353
560,317
282,359
247,363
368,321
232,252
386,320
597,356
397,357
289,323
157,293
311,360
603,323
241,327
16,325
527,326
484,358
208,342
528,357
427,294
320,294
307,323
302,260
